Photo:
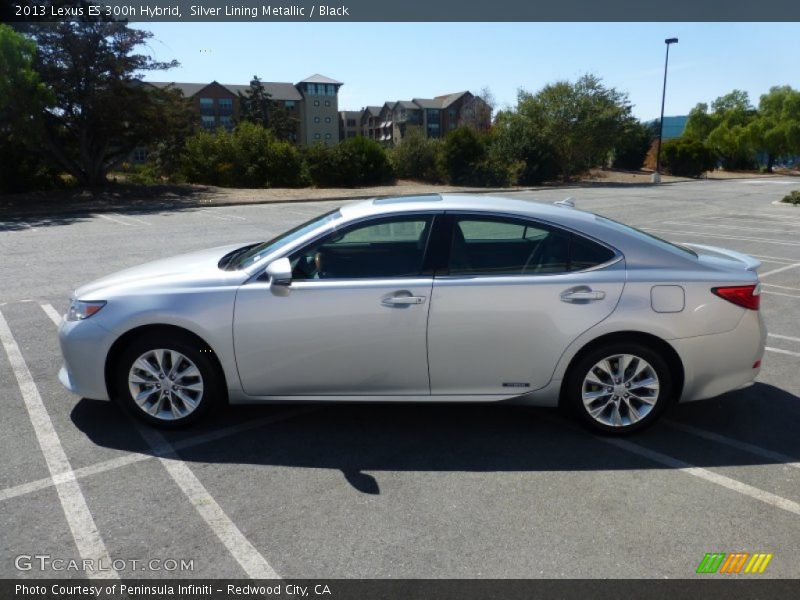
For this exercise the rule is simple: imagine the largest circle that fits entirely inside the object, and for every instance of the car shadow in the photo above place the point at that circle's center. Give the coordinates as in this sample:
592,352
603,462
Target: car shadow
359,439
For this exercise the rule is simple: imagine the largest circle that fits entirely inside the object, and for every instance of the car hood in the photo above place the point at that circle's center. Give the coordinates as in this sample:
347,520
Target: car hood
191,269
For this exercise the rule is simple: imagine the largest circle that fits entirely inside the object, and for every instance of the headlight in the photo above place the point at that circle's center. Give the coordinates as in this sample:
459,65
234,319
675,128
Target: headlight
80,310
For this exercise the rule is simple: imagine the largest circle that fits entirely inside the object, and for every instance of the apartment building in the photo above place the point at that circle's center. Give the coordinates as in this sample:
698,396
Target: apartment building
389,124
312,101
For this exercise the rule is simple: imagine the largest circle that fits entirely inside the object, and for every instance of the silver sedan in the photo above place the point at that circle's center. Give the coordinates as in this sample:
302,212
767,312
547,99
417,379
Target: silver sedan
427,298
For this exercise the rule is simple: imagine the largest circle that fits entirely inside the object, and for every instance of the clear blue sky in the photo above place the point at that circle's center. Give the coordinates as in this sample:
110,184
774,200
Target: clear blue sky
397,61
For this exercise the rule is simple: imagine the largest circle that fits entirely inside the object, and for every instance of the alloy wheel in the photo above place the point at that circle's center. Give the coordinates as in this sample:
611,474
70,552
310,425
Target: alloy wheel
165,384
620,390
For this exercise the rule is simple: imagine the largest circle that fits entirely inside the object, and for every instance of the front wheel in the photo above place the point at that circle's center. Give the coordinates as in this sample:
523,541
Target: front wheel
619,388
167,381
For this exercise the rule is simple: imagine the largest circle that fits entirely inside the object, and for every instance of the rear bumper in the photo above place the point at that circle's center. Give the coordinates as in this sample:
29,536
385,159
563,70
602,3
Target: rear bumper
719,363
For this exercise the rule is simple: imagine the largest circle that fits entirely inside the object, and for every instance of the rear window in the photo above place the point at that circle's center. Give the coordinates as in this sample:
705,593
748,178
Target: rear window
585,254
647,237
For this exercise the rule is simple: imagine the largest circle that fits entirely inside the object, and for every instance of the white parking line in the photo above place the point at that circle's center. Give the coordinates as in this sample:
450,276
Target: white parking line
84,531
718,226
783,287
250,559
774,258
51,312
779,270
129,459
780,294
782,351
784,337
130,218
222,217
719,235
784,459
112,219
710,476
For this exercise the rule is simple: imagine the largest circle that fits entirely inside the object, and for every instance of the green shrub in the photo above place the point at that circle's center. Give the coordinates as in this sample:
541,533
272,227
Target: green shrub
632,147
419,158
355,162
23,171
363,161
687,158
464,150
792,197
249,156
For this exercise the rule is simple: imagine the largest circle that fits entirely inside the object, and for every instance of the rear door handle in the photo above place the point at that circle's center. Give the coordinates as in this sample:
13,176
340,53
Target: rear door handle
585,295
402,300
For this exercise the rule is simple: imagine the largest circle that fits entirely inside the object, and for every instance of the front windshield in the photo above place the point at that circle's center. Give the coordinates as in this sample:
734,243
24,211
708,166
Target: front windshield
253,254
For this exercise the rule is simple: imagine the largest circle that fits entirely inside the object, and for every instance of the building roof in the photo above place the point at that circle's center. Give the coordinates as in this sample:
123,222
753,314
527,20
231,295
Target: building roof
188,89
428,102
448,99
276,90
317,78
407,104
373,110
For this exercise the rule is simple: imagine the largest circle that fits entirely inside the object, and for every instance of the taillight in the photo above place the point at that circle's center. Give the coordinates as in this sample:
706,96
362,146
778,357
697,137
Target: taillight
747,296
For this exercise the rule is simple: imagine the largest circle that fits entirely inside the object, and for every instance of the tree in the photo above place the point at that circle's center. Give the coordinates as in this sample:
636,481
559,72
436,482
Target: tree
99,109
632,147
775,130
22,94
580,121
464,148
256,106
725,129
515,139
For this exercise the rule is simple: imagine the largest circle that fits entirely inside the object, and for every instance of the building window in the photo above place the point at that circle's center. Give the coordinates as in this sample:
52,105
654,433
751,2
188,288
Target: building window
316,119
208,121
316,136
311,89
226,106
351,134
207,106
327,119
140,155
289,104
452,113
327,136
351,122
327,102
316,102
226,121
331,90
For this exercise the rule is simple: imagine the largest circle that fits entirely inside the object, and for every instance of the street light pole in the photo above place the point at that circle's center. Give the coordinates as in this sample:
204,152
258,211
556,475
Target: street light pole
657,174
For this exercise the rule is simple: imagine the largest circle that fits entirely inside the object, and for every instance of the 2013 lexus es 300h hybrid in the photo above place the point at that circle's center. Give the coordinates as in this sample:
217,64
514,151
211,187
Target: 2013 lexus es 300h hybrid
426,298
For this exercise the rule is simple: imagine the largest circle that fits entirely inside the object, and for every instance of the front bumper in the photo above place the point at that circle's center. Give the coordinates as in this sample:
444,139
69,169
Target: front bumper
84,346
719,363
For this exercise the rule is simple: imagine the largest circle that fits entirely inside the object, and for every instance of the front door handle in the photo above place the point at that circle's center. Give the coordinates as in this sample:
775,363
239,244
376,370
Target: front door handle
402,300
583,294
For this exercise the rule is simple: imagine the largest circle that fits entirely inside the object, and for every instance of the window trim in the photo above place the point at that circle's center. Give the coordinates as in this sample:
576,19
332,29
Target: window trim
427,271
443,271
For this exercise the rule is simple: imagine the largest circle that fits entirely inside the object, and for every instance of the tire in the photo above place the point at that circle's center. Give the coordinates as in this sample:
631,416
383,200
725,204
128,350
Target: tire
615,405
146,365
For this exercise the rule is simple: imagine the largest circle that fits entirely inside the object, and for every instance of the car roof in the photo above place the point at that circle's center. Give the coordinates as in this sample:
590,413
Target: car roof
465,202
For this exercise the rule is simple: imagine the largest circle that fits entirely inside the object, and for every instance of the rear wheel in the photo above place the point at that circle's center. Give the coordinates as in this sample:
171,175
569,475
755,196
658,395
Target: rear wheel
619,388
166,381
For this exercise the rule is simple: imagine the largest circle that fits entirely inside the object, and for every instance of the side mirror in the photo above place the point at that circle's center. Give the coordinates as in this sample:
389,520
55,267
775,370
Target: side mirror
280,272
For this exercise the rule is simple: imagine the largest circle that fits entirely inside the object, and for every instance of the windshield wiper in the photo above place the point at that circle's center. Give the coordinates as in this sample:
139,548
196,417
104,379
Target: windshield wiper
226,260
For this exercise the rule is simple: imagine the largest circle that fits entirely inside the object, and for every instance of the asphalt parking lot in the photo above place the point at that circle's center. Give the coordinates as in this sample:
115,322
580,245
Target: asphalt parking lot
418,491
